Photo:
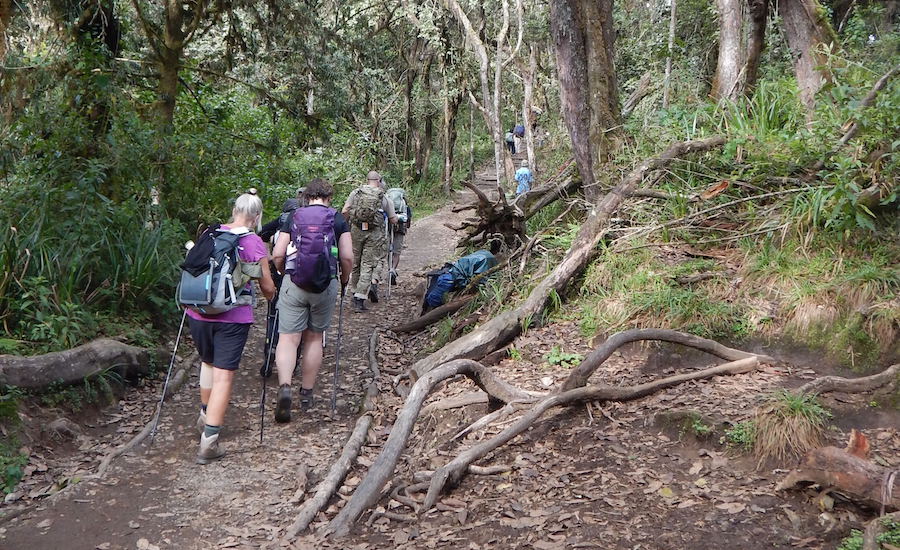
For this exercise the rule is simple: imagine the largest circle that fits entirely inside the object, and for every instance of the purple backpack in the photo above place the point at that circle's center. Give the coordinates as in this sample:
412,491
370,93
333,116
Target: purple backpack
312,232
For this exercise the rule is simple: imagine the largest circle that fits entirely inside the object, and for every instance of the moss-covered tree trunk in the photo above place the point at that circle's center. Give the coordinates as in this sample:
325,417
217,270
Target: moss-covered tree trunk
807,30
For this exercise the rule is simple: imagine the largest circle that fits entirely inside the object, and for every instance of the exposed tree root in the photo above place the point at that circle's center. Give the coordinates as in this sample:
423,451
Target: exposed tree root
504,327
74,365
827,384
474,398
434,315
174,384
369,491
328,486
592,362
453,471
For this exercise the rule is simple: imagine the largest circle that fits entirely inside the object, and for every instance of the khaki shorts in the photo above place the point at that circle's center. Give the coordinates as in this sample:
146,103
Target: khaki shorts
398,242
299,310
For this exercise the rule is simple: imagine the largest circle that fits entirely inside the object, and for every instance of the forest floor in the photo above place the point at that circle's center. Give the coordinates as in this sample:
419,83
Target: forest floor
631,475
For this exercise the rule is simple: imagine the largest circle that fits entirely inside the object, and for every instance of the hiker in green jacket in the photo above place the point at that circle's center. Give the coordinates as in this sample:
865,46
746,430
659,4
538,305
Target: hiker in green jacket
366,209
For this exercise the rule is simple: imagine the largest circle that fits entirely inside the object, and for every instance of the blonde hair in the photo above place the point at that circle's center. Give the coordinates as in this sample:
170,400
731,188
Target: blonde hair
249,206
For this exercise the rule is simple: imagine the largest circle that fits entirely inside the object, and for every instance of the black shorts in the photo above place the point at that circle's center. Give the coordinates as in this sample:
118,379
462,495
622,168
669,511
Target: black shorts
220,344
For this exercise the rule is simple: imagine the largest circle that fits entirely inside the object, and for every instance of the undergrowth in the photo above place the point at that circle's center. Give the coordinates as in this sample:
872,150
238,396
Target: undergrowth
889,536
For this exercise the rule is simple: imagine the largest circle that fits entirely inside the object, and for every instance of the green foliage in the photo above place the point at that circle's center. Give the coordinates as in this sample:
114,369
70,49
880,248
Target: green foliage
514,354
806,406
741,436
695,425
97,390
558,357
890,535
12,464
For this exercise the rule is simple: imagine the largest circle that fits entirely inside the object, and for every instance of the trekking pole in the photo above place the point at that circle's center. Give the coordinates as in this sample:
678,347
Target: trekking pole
390,262
337,354
266,370
162,397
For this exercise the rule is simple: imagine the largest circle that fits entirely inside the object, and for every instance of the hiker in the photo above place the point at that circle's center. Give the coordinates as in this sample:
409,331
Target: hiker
510,142
365,209
220,338
270,229
524,177
307,298
518,135
397,234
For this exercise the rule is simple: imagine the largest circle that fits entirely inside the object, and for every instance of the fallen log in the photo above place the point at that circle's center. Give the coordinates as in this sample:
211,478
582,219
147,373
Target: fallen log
861,480
74,365
453,471
434,315
827,384
328,486
500,330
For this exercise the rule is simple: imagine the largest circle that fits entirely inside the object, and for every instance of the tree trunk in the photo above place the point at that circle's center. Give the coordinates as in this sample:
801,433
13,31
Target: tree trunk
807,30
727,82
74,365
5,18
583,37
527,115
448,132
668,76
756,42
567,31
425,138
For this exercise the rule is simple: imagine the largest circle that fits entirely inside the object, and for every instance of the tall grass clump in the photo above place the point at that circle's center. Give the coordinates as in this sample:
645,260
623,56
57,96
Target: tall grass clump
788,425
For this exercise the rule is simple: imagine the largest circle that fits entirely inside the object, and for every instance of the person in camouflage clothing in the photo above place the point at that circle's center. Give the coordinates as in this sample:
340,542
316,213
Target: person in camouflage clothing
366,209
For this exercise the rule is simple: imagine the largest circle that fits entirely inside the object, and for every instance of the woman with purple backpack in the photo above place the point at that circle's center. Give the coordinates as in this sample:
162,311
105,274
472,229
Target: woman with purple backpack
307,298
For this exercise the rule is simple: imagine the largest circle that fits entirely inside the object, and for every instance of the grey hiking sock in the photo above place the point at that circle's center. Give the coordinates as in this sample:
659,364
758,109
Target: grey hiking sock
210,431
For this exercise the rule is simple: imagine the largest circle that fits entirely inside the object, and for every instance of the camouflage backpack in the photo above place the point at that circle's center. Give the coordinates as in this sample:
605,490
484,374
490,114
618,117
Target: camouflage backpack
366,206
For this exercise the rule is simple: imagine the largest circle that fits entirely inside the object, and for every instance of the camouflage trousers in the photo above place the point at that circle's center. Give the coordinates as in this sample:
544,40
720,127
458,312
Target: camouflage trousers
369,249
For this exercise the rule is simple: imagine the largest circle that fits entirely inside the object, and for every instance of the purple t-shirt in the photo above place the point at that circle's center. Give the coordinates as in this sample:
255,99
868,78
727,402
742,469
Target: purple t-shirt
250,249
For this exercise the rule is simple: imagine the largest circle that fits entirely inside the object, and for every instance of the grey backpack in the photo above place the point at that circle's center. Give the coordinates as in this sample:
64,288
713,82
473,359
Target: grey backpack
212,278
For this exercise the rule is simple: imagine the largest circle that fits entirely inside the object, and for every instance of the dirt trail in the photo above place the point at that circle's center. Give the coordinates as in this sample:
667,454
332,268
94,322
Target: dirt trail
658,472
161,495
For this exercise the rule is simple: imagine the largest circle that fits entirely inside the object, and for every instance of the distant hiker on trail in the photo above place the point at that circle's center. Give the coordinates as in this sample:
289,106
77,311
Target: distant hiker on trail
307,298
269,229
365,209
397,233
511,142
524,177
220,338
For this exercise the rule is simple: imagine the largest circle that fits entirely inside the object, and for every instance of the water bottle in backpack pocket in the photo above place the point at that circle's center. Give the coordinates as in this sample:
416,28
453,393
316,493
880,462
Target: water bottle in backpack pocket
312,233
212,276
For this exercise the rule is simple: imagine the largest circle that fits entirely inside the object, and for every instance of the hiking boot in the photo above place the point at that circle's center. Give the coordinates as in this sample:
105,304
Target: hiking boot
201,421
306,399
359,305
393,278
209,449
373,293
283,408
